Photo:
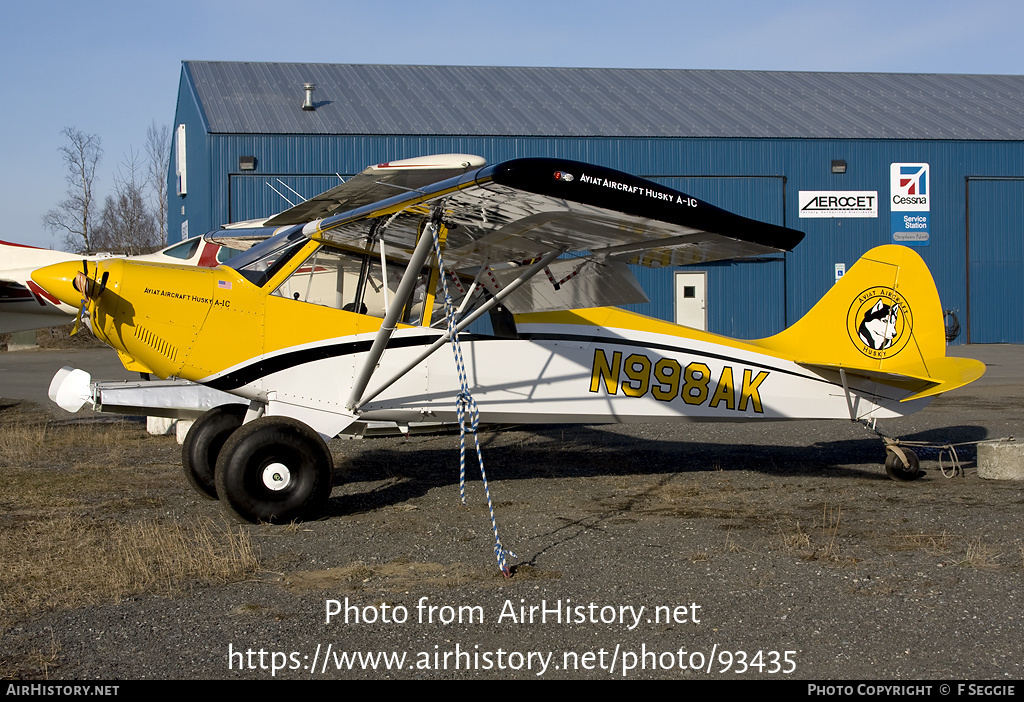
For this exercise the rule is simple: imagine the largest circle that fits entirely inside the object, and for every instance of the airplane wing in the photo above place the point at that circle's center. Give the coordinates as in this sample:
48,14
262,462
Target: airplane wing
378,183
522,209
527,212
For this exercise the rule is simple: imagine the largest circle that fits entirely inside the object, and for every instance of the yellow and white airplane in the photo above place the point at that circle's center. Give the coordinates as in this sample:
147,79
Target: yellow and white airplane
336,319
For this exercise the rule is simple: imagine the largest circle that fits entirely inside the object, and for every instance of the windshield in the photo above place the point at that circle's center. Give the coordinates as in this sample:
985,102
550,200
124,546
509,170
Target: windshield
259,263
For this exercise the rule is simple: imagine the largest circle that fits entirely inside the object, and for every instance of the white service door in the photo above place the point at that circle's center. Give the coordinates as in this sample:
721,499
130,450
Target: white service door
691,299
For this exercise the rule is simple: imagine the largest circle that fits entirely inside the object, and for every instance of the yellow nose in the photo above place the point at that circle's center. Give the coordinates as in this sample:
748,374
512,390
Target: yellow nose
58,280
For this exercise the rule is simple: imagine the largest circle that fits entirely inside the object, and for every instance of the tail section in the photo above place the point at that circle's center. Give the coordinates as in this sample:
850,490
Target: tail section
883,319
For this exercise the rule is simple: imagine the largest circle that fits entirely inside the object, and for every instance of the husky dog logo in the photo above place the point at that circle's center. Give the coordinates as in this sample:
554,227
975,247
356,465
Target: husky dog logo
879,326
879,322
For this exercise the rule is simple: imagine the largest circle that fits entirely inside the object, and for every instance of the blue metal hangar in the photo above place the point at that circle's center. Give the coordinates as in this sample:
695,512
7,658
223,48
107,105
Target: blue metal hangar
852,159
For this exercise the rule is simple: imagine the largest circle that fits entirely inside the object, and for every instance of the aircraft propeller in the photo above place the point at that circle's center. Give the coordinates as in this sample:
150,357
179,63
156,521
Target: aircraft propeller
89,288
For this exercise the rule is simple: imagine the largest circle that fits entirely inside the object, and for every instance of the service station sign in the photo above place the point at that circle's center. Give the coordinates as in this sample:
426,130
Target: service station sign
910,195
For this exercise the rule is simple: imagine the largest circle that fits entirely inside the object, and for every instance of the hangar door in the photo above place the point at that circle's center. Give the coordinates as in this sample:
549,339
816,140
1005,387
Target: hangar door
995,260
744,298
256,196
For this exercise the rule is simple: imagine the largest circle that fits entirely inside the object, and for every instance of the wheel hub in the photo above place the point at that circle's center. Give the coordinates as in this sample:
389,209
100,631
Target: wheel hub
276,476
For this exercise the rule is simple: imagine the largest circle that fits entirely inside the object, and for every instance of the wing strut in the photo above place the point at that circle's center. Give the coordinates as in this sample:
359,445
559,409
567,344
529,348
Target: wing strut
356,403
394,313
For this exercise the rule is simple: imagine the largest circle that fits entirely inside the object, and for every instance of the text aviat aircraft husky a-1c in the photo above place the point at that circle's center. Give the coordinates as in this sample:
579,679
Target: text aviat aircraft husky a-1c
335,319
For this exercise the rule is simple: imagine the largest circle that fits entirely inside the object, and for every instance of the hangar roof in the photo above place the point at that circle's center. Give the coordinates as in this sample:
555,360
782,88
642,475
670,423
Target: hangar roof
266,98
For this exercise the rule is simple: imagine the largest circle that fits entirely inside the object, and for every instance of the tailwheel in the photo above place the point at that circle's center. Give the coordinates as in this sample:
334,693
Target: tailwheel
203,444
902,469
274,469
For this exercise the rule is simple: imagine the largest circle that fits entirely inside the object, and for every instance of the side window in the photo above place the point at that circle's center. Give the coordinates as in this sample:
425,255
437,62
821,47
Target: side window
185,250
498,321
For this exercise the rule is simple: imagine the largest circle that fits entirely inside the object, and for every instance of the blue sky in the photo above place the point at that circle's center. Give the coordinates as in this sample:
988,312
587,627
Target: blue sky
112,68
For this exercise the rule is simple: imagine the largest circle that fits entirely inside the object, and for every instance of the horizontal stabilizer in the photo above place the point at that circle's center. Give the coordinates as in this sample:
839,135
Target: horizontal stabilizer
946,374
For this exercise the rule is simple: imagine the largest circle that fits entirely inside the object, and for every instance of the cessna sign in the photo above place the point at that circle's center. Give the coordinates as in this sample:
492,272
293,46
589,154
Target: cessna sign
838,203
910,194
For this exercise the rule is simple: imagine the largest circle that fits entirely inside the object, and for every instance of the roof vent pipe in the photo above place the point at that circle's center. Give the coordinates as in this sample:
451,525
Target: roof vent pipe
308,102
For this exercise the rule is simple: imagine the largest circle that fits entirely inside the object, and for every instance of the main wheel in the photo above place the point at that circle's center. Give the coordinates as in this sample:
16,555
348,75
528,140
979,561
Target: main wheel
203,443
274,469
897,470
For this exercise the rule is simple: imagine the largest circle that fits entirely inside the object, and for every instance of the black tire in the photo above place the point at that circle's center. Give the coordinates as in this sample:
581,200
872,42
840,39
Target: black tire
203,444
276,470
895,468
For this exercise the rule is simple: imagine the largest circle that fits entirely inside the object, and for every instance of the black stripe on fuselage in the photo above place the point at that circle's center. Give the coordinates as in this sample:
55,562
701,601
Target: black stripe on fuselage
267,366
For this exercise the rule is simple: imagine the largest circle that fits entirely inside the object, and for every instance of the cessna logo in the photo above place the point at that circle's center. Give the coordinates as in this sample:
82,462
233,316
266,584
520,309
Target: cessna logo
853,203
909,186
880,322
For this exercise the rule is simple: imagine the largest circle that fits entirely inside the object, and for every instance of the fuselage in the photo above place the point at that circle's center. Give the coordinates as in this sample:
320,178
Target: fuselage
279,342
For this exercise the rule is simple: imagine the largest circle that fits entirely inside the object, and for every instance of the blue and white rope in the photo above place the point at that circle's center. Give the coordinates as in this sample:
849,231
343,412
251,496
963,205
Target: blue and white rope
464,402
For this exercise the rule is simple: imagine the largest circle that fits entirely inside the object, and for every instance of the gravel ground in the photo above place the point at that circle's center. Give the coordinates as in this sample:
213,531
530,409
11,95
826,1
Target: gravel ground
775,551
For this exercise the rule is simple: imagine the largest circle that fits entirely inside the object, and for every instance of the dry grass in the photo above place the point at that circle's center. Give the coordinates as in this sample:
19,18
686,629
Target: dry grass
821,542
830,516
25,440
980,555
77,525
699,556
20,442
796,540
730,543
59,338
69,562
932,544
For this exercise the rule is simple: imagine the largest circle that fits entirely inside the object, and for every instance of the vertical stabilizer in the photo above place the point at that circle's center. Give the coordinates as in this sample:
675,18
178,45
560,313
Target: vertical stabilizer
883,319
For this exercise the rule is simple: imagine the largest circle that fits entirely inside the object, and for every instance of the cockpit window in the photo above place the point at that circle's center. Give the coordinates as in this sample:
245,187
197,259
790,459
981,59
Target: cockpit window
259,263
185,250
347,281
353,282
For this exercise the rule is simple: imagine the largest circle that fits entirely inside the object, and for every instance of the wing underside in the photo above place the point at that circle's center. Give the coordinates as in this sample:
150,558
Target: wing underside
520,210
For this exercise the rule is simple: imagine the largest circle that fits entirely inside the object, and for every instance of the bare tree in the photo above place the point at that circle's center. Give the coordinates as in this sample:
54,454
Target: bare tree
73,217
158,154
127,225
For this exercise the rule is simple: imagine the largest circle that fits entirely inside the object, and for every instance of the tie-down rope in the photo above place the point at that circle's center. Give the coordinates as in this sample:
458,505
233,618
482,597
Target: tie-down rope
464,402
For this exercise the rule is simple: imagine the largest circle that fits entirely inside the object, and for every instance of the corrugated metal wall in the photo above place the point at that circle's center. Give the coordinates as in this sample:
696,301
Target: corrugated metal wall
996,260
761,282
